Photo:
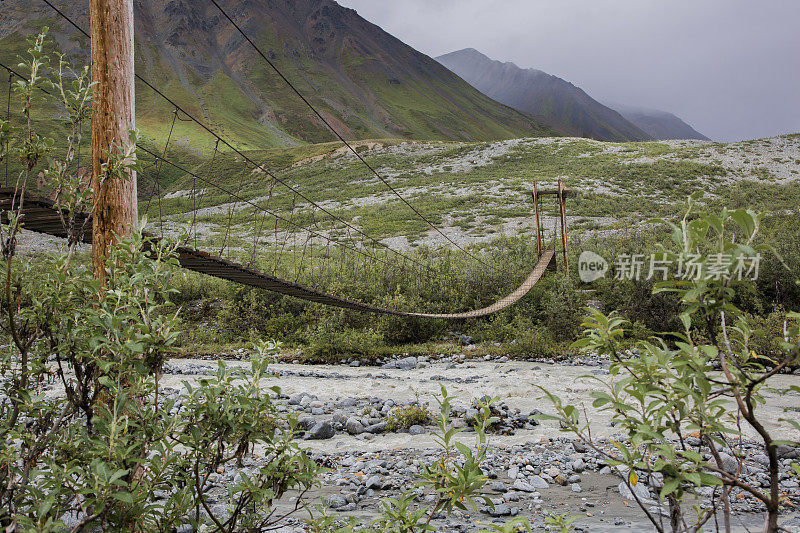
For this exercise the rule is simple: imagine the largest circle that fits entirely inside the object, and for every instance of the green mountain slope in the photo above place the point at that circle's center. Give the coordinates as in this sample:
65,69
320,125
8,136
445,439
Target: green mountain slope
366,82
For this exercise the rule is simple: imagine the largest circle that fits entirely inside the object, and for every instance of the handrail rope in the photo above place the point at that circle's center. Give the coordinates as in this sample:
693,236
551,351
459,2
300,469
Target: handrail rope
223,189
274,178
194,193
156,189
236,150
249,202
257,236
341,138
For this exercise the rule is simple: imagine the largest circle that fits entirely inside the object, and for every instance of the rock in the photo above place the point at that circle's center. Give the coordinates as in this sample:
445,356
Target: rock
788,452
532,485
320,431
578,466
335,501
575,487
729,463
373,483
306,423
498,486
761,459
407,363
380,427
416,430
497,510
524,486
538,482
513,472
353,426
640,489
346,508
295,399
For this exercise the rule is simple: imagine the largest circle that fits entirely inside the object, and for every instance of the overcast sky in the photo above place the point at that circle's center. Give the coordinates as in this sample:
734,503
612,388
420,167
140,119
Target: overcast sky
730,68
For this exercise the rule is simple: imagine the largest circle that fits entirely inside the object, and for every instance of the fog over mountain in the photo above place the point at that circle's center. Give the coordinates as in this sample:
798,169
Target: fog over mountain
538,93
727,67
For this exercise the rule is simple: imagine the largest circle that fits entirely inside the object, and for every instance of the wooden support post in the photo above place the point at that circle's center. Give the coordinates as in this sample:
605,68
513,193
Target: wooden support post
538,222
115,208
562,206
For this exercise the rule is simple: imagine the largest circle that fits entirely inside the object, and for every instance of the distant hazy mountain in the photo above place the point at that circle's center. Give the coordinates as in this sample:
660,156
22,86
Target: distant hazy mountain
363,80
658,124
538,93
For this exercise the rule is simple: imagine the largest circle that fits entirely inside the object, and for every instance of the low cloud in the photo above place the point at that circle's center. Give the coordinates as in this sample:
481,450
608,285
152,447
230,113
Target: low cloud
728,67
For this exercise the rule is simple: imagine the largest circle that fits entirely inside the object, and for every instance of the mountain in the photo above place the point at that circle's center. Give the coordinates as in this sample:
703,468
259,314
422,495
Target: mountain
538,93
366,82
658,124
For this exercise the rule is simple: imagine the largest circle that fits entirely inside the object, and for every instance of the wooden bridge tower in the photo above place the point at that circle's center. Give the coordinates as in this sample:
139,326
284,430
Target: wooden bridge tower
561,194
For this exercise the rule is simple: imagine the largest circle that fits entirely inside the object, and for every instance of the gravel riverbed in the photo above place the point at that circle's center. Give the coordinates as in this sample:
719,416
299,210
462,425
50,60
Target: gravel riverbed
533,467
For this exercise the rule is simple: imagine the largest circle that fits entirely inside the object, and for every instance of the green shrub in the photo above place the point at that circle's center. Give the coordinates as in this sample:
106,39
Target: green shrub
537,341
403,417
334,346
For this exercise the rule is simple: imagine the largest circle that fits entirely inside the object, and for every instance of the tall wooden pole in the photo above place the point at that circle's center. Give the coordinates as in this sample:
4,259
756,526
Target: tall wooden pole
115,210
538,222
562,208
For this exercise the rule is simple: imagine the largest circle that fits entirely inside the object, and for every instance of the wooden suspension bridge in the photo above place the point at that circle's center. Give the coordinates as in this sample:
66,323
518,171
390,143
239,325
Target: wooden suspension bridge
42,215
115,212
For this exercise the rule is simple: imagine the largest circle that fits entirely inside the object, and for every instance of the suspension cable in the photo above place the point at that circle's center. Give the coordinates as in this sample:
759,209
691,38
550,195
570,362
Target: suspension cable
327,239
340,137
240,153
250,202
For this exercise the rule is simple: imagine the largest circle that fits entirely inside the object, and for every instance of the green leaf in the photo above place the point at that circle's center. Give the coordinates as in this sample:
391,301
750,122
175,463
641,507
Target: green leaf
124,497
670,485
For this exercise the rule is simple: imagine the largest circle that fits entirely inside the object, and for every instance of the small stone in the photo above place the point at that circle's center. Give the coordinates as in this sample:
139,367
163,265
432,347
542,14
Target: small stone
538,483
306,423
373,483
498,510
578,466
416,430
761,459
535,483
353,426
498,486
575,487
336,501
321,431
380,427
295,399
640,489
729,463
